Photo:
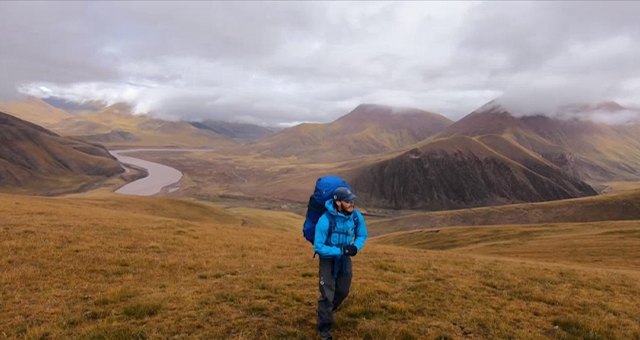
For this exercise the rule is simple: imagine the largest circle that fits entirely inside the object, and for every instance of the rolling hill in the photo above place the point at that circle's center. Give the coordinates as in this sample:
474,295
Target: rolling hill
75,107
460,171
239,131
619,206
368,129
116,126
36,160
35,110
593,244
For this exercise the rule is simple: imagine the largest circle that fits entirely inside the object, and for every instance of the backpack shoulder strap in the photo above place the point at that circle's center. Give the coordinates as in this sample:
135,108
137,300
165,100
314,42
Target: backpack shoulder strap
332,224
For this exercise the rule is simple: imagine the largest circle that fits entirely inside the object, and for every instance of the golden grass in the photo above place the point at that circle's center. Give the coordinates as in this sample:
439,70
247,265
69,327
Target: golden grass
35,110
621,205
269,219
610,244
511,150
53,185
113,267
617,186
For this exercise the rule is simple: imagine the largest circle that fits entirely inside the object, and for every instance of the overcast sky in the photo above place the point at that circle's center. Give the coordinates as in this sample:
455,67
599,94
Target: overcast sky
286,62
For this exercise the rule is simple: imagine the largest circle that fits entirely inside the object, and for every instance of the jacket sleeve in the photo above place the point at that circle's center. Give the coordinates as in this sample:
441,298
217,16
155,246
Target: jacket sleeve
320,240
361,232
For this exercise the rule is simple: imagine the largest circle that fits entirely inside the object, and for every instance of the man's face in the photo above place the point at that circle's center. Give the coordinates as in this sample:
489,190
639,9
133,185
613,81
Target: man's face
345,207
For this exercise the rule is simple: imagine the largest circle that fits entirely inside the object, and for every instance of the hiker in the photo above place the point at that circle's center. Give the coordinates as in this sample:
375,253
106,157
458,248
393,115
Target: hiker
334,242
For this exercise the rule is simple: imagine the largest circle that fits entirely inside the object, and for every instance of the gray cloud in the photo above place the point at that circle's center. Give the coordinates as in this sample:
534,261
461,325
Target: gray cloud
45,41
545,54
283,62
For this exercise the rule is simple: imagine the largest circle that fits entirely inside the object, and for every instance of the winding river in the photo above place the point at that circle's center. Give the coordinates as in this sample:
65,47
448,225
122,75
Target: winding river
160,176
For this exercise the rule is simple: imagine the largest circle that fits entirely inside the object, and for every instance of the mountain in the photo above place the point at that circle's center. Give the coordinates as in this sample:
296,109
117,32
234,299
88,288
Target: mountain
610,112
593,151
36,160
488,119
494,156
630,130
368,129
460,171
240,131
117,126
574,138
489,157
74,107
114,125
35,110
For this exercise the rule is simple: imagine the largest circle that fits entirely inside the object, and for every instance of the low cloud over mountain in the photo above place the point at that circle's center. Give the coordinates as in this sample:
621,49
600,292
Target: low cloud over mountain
312,62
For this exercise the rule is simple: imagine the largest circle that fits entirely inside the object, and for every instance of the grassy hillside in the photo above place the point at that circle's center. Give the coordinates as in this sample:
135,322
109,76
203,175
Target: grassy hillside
115,126
35,110
593,151
623,205
238,131
631,130
610,244
459,171
36,160
113,267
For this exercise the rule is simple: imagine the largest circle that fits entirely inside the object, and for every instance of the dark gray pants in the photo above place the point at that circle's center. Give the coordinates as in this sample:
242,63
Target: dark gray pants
332,291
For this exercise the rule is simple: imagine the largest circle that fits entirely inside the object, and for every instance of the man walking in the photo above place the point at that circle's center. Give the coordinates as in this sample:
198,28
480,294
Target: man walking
334,242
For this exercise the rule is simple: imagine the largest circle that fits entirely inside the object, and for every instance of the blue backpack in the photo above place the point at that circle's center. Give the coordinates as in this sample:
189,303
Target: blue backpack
322,193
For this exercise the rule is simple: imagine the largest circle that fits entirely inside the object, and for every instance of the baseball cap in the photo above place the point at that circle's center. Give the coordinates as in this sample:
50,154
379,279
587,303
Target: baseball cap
343,194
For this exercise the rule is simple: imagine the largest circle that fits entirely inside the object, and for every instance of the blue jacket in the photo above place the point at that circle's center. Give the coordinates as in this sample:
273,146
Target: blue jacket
342,234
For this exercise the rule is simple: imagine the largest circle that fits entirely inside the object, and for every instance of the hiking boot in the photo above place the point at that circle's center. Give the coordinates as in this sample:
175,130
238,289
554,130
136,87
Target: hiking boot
325,335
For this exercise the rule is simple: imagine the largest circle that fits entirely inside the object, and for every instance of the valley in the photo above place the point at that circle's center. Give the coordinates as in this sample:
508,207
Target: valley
159,177
478,234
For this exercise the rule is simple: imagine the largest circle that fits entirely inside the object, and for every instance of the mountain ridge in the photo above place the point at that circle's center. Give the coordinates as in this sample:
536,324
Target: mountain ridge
37,160
367,129
558,156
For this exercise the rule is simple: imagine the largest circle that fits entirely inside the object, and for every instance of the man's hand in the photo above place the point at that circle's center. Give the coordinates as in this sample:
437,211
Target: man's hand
350,250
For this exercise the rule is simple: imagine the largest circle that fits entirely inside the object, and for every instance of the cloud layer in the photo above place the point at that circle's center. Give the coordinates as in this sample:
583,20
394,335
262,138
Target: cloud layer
283,62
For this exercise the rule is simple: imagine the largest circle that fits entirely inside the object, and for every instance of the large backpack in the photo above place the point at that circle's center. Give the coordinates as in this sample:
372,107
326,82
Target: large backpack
321,194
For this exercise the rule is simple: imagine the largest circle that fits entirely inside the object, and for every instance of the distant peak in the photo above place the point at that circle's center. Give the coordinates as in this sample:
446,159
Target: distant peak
36,100
492,107
119,107
610,106
386,109
369,107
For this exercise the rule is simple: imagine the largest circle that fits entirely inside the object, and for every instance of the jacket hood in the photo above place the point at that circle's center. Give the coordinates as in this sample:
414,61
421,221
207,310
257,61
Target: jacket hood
330,208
